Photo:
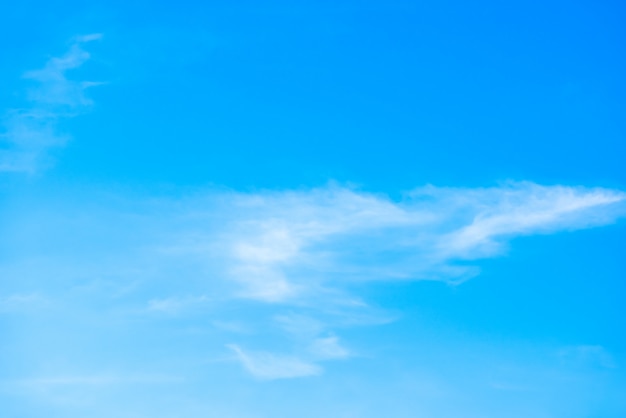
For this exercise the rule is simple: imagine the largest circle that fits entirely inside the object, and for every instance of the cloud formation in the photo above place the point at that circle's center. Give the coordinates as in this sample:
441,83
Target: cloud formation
279,271
270,366
283,245
305,249
30,132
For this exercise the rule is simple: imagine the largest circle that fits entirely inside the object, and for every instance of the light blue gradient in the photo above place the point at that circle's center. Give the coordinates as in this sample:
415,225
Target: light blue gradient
342,209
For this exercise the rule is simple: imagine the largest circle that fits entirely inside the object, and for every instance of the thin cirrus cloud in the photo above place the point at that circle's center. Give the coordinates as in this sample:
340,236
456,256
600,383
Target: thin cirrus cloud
295,260
30,132
281,246
285,267
270,366
303,248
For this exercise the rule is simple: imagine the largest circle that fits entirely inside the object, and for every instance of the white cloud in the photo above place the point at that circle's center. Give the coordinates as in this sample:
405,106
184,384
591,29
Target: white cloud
174,305
88,38
81,389
522,209
312,334
93,380
23,302
270,366
29,133
328,348
300,326
586,355
283,266
281,246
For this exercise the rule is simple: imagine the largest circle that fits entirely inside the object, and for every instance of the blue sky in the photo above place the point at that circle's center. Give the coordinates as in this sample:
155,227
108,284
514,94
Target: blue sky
345,209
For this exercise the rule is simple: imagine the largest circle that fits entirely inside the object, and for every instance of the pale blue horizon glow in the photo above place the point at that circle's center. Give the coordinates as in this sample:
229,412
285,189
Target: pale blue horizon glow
344,210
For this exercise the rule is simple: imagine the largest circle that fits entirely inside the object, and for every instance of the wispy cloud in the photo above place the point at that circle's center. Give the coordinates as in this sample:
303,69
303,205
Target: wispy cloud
22,302
586,355
81,390
328,348
30,132
93,380
283,245
174,305
287,266
270,366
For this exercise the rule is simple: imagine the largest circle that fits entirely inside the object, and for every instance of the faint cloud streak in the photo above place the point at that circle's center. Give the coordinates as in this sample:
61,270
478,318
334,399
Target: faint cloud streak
31,132
285,266
268,366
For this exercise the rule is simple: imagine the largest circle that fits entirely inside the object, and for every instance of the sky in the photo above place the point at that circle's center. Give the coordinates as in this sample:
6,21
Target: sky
350,209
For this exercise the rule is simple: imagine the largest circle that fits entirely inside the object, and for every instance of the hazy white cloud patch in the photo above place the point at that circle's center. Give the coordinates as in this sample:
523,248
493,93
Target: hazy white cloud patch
74,390
30,132
176,305
586,356
269,366
303,362
19,303
94,380
313,334
300,326
328,348
281,272
287,246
